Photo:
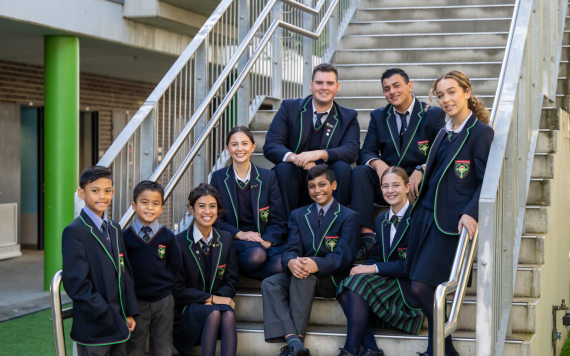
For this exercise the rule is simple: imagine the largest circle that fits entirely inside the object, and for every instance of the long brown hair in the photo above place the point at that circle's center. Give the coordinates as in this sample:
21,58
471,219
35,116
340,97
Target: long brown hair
473,103
400,172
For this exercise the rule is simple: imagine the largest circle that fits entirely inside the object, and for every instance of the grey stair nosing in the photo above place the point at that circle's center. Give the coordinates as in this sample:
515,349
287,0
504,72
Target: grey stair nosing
416,49
418,64
383,97
429,34
435,20
436,7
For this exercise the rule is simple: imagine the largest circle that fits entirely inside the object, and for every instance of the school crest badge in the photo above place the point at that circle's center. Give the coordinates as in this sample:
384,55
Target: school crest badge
264,214
330,242
423,147
161,251
221,271
402,252
462,168
122,262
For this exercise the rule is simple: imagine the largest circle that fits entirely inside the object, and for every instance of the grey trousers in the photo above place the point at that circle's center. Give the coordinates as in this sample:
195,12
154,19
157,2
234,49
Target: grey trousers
104,350
156,319
288,301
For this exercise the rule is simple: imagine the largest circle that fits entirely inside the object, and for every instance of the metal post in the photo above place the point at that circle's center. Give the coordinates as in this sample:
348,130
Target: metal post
307,51
61,58
56,317
201,89
332,34
148,145
276,55
243,92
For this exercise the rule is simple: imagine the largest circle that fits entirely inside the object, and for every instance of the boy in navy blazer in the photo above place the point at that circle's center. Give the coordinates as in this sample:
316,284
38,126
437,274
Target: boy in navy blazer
323,239
310,131
391,141
155,259
96,272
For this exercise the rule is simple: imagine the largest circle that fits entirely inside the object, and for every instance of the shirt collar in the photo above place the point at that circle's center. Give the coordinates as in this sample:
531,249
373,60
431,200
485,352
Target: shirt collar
401,212
154,226
449,125
198,235
410,109
327,111
247,177
95,218
325,208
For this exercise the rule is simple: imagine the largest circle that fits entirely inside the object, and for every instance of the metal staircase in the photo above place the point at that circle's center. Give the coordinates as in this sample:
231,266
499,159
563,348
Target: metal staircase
251,54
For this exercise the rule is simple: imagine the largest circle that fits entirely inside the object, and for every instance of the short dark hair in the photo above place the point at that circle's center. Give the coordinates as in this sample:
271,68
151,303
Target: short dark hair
91,174
392,71
148,185
237,129
320,170
202,190
325,68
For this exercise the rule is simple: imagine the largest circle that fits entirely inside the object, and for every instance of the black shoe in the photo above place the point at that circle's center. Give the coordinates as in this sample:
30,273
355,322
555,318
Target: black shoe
370,352
453,354
423,354
293,351
366,245
284,351
343,352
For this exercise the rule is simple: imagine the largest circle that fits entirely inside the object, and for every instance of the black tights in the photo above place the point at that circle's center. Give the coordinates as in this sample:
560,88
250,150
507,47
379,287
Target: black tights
227,321
359,331
254,263
424,295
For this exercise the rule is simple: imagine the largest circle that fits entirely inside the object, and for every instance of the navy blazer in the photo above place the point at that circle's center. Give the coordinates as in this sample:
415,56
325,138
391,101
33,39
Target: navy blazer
99,282
383,136
390,258
333,246
290,128
266,196
189,285
467,157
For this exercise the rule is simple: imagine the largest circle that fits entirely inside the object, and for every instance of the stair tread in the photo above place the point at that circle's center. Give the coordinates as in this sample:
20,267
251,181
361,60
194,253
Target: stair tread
418,49
436,7
429,34
434,20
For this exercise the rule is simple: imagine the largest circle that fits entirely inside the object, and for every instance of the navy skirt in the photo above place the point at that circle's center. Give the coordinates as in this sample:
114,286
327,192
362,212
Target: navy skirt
430,252
188,331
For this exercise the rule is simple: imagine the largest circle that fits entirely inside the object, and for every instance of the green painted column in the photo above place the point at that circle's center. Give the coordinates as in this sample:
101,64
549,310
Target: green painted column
61,144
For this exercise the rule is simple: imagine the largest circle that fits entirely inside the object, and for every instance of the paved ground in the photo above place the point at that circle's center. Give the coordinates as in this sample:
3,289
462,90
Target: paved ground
21,286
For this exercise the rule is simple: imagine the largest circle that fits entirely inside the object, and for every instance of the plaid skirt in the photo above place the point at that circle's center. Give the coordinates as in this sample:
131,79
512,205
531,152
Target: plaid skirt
386,302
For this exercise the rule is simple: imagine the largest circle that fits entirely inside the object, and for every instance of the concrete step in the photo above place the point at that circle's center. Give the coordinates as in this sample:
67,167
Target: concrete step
373,102
535,220
543,166
259,137
550,118
527,283
547,142
490,69
538,193
389,3
328,312
532,249
421,54
435,12
325,341
415,40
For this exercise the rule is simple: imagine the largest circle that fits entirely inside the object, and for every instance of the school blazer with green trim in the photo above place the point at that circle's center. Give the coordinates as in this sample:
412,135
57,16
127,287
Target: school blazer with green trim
333,246
189,284
290,128
383,138
459,187
267,206
100,286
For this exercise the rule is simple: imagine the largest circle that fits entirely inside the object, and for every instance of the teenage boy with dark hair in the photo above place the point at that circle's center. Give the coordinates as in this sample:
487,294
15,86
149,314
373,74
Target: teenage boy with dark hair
321,249
399,134
310,131
155,258
96,272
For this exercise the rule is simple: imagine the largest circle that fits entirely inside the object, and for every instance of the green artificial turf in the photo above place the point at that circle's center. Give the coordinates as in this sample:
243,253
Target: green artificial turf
566,348
32,335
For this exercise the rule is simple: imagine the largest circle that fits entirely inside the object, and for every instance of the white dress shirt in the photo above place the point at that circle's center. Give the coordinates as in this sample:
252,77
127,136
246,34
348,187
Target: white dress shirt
449,124
246,178
198,235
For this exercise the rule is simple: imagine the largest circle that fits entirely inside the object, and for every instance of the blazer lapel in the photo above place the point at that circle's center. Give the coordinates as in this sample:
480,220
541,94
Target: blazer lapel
386,237
230,184
402,227
415,119
216,252
330,126
458,141
196,252
96,233
311,218
113,239
255,189
327,222
393,128
306,122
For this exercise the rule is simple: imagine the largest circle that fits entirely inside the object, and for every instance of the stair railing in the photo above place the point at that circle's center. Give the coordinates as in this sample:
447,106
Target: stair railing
155,142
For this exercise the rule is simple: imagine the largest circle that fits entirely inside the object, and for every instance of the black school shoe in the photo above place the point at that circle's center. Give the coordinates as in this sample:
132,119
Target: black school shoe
343,352
426,354
284,351
370,352
293,351
367,241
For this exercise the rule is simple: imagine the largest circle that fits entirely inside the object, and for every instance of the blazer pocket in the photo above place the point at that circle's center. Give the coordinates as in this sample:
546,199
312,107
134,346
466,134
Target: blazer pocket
402,253
264,214
330,242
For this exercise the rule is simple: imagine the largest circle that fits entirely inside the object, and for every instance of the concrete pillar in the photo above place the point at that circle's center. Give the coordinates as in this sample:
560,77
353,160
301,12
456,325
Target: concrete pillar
61,146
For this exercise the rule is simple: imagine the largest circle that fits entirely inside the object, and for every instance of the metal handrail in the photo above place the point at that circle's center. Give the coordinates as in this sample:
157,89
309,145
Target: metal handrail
58,315
230,94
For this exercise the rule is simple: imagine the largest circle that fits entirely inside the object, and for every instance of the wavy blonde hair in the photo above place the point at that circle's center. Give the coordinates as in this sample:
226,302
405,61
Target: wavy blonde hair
474,103
399,171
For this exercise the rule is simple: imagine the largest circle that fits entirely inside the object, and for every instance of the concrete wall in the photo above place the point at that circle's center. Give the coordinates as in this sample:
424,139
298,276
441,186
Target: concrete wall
10,155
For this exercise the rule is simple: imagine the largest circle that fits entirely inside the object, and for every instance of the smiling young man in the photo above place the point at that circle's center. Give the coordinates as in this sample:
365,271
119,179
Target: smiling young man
310,131
96,272
323,239
399,134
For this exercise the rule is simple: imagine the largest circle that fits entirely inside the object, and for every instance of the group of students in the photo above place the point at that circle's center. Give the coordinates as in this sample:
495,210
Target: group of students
144,281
